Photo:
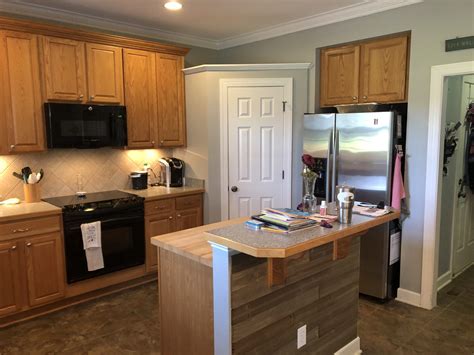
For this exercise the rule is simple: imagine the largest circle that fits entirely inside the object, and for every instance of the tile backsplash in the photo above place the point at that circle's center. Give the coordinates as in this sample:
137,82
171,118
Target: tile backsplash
102,169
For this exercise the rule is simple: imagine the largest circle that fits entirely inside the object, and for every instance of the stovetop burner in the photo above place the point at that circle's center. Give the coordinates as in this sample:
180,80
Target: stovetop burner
95,201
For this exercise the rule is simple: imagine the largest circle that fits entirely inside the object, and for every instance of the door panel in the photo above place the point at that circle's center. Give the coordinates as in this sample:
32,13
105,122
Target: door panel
64,69
140,97
10,296
156,225
45,268
188,219
170,88
104,73
384,70
19,63
364,156
256,132
339,82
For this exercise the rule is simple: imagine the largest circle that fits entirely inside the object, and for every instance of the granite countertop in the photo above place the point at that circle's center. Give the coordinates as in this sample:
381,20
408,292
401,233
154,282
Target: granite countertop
275,245
161,192
27,210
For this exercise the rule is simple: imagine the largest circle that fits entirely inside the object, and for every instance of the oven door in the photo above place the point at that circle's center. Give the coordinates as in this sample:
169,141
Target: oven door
123,245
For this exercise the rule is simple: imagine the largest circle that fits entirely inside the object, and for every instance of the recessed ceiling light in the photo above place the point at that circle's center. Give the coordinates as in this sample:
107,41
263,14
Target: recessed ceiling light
173,5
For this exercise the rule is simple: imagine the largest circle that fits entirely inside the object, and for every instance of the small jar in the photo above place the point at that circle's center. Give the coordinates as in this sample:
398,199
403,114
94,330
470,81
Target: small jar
323,209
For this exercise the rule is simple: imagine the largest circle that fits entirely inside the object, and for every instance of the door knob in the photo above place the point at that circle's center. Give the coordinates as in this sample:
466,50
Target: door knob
234,189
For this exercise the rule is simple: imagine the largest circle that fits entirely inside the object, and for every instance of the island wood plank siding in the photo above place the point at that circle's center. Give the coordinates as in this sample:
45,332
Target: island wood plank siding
319,292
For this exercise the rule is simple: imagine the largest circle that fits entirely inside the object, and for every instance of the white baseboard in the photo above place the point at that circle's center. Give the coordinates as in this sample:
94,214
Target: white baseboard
444,280
353,348
409,297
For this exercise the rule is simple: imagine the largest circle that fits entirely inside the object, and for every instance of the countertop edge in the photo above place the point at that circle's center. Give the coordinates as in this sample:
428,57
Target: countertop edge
27,215
171,194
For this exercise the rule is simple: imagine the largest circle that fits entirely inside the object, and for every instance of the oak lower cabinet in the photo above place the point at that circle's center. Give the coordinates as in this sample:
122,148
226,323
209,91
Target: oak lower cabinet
170,89
369,71
32,267
104,73
167,216
21,103
64,69
10,286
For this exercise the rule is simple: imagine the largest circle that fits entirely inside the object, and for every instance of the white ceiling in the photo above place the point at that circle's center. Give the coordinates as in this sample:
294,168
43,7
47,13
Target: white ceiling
209,23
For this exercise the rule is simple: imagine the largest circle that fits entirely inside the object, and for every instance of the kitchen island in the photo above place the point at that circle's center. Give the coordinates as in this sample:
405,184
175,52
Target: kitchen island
225,289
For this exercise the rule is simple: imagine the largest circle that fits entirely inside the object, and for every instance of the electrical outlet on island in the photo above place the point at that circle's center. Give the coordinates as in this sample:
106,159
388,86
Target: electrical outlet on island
301,337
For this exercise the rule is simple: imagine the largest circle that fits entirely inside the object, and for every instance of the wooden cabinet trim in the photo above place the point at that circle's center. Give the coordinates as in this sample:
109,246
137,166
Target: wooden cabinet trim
29,227
88,35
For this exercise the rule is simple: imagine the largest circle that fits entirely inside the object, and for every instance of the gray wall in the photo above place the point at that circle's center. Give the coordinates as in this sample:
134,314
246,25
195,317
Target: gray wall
451,114
431,23
202,154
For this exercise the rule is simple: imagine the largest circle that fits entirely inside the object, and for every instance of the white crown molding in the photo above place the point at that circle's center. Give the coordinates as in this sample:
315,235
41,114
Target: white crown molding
350,12
367,7
69,17
246,67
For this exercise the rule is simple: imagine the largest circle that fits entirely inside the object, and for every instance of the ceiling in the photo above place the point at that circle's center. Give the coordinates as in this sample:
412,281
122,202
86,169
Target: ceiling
213,24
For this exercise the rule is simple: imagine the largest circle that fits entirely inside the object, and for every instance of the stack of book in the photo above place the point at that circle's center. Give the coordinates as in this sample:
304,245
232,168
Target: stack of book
284,219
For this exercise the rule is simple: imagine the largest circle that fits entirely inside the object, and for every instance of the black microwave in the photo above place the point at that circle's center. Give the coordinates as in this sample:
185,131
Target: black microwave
85,126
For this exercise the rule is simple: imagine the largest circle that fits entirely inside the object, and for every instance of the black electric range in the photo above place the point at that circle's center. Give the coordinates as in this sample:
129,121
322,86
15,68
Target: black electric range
122,221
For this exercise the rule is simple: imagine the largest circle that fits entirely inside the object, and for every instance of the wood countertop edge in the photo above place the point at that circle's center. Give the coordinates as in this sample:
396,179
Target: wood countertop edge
304,246
28,215
168,194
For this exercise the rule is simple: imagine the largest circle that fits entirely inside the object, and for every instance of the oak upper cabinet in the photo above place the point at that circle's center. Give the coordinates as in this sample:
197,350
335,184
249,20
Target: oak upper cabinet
339,80
10,296
384,70
369,71
170,98
140,98
104,74
44,268
22,104
64,73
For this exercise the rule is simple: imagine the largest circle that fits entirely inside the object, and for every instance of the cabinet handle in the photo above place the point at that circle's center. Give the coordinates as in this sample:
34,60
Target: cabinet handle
21,230
354,97
170,217
28,245
13,248
179,216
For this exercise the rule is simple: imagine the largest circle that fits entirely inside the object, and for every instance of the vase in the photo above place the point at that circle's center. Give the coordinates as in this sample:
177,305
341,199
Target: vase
309,200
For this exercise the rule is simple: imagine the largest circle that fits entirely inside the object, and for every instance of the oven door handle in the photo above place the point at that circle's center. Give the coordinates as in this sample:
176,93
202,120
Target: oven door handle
111,220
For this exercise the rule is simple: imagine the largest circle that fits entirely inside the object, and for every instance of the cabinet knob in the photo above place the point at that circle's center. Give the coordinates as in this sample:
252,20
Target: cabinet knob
179,216
161,142
12,147
364,97
21,230
170,217
92,97
152,142
13,248
81,96
28,245
354,97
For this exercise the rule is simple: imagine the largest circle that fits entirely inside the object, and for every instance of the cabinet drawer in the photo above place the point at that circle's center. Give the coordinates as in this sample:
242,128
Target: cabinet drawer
160,206
183,203
30,227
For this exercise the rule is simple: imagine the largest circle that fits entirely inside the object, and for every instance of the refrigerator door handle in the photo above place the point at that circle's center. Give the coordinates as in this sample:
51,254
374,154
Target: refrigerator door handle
335,162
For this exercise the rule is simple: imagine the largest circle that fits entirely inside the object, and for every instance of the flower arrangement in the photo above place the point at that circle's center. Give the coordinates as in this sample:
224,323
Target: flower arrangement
311,167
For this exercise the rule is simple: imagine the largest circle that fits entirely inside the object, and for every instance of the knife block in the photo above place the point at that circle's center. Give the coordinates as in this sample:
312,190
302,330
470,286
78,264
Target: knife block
32,193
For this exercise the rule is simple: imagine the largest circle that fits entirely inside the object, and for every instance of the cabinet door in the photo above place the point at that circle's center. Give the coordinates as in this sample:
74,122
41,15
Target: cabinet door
10,296
188,218
104,73
21,91
140,97
44,268
64,69
156,225
339,80
384,70
170,87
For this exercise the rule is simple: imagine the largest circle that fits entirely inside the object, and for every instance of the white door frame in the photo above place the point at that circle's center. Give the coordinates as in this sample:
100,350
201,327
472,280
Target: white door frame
225,84
429,271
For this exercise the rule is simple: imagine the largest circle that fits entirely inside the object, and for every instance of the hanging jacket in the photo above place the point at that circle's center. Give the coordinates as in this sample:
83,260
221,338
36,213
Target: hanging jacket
470,147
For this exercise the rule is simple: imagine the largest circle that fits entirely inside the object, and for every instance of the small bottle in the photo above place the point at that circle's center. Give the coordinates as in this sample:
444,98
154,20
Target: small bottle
323,209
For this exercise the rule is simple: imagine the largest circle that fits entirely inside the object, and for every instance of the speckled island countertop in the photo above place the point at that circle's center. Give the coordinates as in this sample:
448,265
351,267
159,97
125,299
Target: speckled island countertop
264,244
27,210
161,192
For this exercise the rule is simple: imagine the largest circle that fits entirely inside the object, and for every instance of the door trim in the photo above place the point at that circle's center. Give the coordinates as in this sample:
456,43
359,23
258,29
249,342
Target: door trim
225,84
429,271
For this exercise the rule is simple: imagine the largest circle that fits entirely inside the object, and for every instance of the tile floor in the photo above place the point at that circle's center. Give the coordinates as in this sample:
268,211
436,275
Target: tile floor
126,323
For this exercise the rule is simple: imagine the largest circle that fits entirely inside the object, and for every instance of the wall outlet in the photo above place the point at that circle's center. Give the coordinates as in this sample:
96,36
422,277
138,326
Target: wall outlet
301,337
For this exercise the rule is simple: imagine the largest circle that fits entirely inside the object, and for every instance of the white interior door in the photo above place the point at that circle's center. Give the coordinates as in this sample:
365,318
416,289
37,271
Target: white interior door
256,149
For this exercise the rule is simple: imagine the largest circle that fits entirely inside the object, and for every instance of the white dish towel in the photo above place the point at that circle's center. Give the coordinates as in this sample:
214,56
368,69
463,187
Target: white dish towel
92,240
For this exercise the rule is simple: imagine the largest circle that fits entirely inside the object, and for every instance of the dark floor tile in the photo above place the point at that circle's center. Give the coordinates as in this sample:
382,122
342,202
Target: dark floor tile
432,342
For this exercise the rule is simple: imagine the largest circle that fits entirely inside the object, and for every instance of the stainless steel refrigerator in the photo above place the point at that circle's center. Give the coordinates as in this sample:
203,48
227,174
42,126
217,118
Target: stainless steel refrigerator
357,149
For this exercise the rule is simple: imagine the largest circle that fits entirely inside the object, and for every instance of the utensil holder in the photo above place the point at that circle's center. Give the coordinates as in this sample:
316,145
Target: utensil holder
32,193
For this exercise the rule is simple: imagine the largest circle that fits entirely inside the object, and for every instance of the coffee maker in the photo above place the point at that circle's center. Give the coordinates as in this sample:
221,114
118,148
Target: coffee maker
172,172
